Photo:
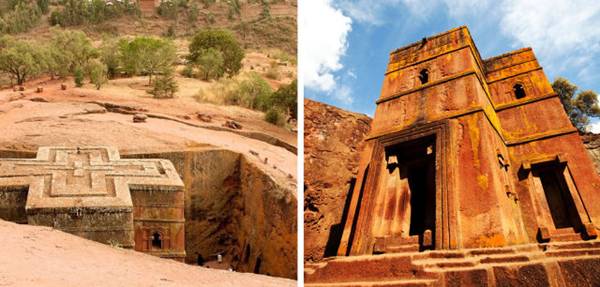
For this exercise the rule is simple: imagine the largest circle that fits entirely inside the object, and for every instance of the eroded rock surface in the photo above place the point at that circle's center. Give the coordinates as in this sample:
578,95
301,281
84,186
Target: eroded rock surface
42,256
592,144
333,140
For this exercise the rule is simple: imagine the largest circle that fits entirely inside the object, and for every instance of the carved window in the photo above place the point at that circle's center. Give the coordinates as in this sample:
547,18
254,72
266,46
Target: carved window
519,91
156,240
424,76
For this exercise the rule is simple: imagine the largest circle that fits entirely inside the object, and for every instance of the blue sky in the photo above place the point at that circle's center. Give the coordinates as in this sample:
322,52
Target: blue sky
344,44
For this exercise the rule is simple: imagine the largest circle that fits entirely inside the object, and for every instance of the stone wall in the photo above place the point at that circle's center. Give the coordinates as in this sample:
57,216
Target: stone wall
234,209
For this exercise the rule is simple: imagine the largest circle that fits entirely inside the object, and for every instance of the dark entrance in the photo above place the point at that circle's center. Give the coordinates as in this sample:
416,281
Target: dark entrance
559,199
416,160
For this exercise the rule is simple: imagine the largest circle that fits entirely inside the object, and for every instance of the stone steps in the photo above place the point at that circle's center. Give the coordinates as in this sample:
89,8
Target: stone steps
377,268
391,283
573,252
429,267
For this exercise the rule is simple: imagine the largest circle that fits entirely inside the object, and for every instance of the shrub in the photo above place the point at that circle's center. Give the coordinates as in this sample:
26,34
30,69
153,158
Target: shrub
192,14
211,63
253,92
164,86
98,73
210,18
274,116
168,9
286,98
222,41
110,56
78,77
188,71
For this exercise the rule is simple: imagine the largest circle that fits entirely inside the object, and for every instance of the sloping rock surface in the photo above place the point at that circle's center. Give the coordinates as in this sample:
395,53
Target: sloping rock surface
333,139
42,256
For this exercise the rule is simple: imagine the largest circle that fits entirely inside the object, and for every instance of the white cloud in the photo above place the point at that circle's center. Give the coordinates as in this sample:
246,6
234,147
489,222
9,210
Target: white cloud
343,94
594,127
323,38
554,28
371,12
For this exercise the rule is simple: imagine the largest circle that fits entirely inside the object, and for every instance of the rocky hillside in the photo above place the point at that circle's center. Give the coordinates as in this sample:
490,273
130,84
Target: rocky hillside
592,144
42,256
332,142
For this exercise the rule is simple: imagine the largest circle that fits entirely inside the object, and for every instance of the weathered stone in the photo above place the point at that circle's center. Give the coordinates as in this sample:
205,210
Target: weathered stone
204,117
233,125
93,193
465,152
139,118
39,89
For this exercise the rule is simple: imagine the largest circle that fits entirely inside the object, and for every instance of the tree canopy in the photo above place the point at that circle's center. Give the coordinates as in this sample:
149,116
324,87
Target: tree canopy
579,106
222,41
20,59
147,55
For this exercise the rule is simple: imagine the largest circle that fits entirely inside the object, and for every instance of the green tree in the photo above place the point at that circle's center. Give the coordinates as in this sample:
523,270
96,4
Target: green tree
110,55
578,106
286,98
21,18
21,59
71,50
210,63
147,55
224,42
98,73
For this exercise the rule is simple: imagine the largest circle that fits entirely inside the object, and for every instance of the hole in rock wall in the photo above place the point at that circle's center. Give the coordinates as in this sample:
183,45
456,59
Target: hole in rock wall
156,240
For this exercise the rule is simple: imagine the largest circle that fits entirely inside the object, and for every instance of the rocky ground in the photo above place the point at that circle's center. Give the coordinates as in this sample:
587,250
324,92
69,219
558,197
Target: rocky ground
85,116
332,142
42,256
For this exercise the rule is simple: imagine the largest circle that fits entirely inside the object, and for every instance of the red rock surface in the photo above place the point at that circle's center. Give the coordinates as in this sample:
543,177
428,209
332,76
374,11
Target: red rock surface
42,256
332,141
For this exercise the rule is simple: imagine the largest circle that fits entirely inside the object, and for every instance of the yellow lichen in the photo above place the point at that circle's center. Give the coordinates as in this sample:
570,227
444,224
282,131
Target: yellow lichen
482,181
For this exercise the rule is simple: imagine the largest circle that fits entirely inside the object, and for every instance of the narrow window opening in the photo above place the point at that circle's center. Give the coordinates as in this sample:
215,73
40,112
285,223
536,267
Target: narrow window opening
424,76
519,91
156,240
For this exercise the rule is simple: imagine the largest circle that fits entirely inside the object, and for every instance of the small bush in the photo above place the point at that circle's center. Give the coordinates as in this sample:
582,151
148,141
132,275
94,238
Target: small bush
98,73
78,77
274,116
168,9
164,86
188,71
